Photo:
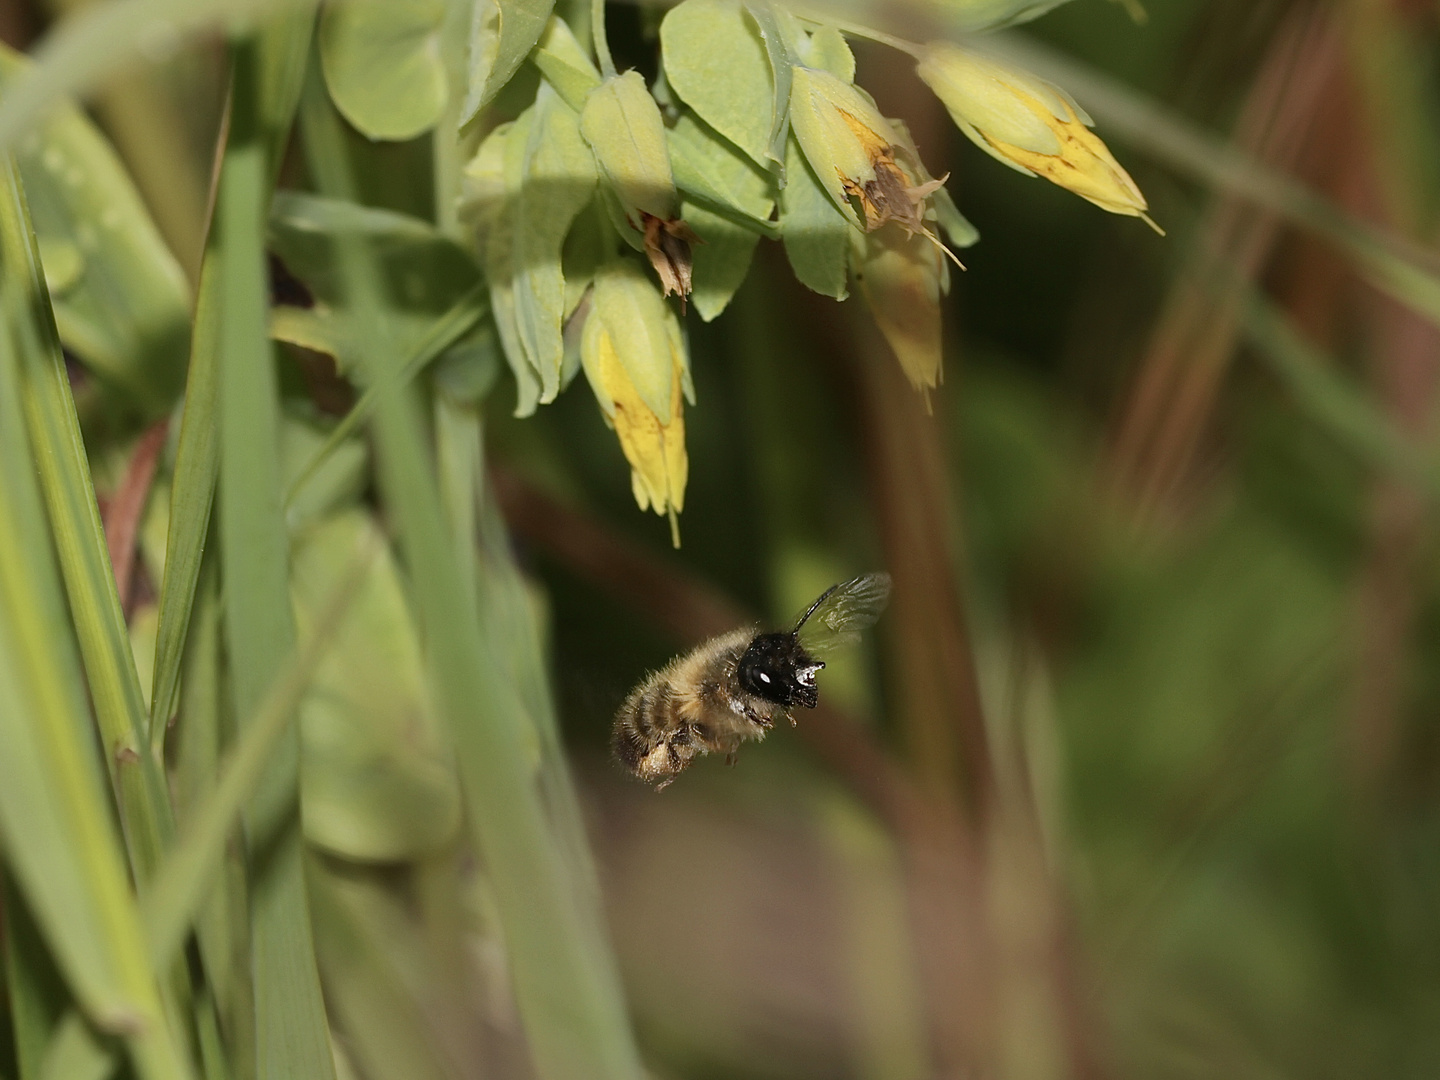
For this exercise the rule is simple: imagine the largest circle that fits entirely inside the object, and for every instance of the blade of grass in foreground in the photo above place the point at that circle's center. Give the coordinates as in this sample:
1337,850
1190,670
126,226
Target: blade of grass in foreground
565,980
291,1033
59,838
197,456
80,541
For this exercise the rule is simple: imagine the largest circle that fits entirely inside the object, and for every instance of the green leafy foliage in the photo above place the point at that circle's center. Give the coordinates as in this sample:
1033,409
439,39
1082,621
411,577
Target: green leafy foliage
1140,777
399,43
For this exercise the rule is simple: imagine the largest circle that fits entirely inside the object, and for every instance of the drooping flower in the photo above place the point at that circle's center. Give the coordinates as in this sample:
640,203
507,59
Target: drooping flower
902,279
635,360
1029,124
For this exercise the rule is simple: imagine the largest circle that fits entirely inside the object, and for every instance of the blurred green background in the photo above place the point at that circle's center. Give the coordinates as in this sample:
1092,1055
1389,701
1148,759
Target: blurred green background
1138,777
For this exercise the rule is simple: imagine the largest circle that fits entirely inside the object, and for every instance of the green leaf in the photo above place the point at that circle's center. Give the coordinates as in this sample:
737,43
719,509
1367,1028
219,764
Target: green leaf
715,60
38,997
190,871
69,495
554,181
55,815
708,168
81,51
120,298
197,453
371,951
721,262
817,237
486,177
502,33
780,33
382,64
337,482
566,985
375,779
292,1038
566,66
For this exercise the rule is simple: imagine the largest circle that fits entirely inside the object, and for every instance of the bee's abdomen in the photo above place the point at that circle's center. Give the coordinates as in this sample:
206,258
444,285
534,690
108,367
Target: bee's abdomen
643,722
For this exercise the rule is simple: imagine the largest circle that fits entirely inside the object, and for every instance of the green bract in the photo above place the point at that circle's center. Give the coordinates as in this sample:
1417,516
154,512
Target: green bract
502,33
716,62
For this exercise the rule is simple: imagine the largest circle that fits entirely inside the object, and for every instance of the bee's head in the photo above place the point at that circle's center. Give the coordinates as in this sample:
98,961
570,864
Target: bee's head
776,668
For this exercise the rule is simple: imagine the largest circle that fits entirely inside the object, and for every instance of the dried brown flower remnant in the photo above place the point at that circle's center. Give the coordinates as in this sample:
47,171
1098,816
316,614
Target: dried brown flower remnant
667,245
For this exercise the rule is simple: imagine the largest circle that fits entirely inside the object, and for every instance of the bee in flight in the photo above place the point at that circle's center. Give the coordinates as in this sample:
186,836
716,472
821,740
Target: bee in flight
735,686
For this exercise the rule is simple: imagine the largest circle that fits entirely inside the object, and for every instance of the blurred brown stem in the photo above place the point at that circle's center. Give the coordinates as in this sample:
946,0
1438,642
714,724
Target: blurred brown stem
122,514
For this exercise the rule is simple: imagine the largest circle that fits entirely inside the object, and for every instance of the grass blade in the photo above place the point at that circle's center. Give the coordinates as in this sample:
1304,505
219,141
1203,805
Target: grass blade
59,837
291,1035
80,540
1329,401
565,980
83,50
192,494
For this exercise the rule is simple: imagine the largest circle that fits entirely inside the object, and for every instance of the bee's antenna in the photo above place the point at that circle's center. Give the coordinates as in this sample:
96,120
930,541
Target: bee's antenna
811,610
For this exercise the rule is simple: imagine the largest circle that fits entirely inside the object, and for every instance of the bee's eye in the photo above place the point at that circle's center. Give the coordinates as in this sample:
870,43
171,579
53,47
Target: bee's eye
764,678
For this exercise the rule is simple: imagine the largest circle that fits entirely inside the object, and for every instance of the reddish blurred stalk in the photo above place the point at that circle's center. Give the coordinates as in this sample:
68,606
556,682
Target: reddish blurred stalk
1170,405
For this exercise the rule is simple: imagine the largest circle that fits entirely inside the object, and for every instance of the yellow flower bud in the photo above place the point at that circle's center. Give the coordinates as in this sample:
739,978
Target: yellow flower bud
1030,125
635,360
852,149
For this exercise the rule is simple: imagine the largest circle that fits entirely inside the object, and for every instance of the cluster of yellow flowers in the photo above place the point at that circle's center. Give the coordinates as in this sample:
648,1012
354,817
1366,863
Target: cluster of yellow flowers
703,182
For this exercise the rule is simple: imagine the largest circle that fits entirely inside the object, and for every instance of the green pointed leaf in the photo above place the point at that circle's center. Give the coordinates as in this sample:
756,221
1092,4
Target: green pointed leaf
708,168
502,33
721,262
817,237
55,812
715,60
554,180
382,64
780,33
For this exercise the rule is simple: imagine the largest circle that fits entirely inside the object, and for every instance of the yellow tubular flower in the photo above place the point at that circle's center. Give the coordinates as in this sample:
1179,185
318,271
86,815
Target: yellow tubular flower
1030,125
634,358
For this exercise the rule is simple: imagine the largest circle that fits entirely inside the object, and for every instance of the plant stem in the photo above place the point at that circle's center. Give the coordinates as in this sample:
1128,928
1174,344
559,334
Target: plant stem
602,40
866,33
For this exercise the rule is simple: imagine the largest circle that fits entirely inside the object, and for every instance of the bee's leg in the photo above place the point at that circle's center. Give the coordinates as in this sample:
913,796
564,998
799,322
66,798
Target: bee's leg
791,718
731,758
663,784
758,719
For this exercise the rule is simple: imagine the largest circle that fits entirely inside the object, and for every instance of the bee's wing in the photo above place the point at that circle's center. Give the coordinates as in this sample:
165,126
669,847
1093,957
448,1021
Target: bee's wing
838,616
